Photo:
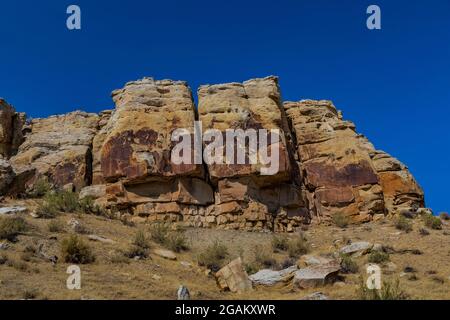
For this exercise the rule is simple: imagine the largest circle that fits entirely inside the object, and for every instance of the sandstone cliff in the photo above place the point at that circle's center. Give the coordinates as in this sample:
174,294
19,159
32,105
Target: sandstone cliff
122,158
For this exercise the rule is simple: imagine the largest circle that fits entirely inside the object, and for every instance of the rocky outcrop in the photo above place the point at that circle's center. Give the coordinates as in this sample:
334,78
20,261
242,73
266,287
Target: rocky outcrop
303,163
58,149
132,154
342,171
246,198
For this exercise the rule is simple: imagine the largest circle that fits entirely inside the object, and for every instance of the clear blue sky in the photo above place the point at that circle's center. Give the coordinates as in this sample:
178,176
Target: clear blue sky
394,83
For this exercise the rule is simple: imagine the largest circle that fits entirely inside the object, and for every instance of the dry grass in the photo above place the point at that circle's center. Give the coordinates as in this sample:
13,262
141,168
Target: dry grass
114,276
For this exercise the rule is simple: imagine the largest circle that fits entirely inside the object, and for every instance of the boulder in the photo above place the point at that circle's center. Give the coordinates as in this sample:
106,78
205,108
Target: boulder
316,275
357,249
233,277
166,254
183,293
269,277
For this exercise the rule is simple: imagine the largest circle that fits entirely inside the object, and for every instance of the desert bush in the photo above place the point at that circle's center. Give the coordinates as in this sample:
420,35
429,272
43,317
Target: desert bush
47,210
55,226
297,246
432,222
264,258
40,188
389,291
11,227
402,223
74,250
30,294
176,241
3,259
280,243
140,240
213,257
376,256
340,220
159,232
348,264
444,216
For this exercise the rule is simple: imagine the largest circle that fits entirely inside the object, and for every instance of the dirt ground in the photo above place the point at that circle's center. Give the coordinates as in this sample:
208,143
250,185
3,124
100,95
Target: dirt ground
26,276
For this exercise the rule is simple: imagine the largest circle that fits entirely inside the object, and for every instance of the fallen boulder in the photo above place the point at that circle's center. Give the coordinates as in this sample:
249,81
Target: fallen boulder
234,277
269,277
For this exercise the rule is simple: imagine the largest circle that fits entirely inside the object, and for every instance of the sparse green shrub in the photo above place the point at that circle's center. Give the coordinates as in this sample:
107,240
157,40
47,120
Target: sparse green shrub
63,200
432,222
11,227
3,259
213,257
402,223
388,291
280,243
27,256
376,256
159,232
140,240
348,264
341,220
74,250
46,210
298,246
119,257
55,226
264,258
176,241
444,216
18,265
40,188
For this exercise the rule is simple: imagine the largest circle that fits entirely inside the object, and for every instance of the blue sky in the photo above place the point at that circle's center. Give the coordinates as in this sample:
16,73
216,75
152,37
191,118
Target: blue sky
393,83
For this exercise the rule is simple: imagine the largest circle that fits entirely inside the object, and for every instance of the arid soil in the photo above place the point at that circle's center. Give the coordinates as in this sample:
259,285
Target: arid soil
25,276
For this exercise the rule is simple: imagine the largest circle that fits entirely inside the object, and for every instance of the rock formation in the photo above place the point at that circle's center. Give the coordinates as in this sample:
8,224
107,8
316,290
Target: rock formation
121,158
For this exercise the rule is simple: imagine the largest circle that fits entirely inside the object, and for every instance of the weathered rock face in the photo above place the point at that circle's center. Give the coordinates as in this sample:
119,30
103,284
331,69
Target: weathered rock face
400,189
58,149
246,198
10,129
342,171
314,164
132,153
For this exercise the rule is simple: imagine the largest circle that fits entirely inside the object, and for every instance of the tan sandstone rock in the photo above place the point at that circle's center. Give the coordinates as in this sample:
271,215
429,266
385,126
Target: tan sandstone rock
245,197
343,172
57,148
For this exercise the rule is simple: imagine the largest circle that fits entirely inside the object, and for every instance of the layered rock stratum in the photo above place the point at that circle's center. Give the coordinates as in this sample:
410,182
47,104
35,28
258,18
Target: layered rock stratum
121,158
